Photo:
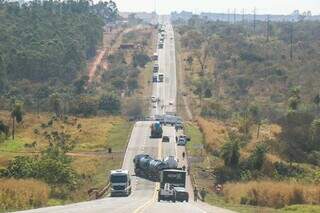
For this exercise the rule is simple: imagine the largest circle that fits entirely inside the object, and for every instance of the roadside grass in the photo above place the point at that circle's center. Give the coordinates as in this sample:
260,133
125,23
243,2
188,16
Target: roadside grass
90,158
272,193
22,194
201,167
94,131
117,138
301,209
94,172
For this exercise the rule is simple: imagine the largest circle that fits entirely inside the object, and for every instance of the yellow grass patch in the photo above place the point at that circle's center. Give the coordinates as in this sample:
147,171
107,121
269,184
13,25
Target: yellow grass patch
271,193
215,132
22,194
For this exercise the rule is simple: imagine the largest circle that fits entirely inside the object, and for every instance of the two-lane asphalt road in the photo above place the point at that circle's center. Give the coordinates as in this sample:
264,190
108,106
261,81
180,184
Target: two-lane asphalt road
144,192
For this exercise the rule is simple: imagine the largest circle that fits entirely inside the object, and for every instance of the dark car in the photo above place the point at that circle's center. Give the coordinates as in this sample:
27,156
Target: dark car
165,139
181,194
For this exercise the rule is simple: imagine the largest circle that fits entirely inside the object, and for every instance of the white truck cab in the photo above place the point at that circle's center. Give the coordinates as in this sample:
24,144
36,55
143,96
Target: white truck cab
120,182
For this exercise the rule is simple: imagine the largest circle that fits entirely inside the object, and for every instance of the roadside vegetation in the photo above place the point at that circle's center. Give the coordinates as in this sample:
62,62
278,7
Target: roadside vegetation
56,127
255,96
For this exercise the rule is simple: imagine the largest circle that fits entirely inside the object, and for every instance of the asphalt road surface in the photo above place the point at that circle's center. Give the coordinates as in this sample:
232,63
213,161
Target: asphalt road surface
144,192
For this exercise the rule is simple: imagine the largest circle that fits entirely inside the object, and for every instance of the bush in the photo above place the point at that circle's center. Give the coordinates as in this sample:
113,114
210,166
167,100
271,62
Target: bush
22,194
140,59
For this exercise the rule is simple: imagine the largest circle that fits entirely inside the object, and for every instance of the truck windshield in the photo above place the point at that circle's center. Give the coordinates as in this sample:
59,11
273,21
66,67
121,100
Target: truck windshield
118,179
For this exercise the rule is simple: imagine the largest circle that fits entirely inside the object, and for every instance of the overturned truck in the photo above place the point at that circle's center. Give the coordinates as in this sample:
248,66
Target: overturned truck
147,167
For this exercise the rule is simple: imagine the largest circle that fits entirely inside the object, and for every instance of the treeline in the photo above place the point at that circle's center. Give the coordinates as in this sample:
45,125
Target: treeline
44,49
240,64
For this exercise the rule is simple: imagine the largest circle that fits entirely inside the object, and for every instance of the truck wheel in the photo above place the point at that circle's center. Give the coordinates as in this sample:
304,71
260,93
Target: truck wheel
159,198
187,200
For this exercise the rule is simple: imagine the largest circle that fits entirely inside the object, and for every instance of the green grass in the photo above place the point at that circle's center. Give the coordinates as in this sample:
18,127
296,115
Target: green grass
197,139
301,209
10,145
216,200
118,136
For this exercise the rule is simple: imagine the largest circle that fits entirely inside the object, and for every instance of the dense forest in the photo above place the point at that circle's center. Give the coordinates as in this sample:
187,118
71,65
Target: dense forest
45,46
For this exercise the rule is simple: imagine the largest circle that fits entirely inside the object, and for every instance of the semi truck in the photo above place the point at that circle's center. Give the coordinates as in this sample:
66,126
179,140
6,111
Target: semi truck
156,130
120,183
147,167
172,185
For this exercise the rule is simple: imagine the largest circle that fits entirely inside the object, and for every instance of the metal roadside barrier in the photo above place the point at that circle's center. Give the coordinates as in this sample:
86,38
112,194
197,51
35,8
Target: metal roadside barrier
97,194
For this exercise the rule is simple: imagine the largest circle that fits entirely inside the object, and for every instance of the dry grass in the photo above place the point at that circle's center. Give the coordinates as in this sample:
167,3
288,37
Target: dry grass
22,194
215,132
90,137
272,194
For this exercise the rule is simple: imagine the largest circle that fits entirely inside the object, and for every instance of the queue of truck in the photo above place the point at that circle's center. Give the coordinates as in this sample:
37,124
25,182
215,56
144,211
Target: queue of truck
172,178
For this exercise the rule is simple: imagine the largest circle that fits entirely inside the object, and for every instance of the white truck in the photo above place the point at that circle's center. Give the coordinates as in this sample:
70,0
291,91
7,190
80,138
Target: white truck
120,183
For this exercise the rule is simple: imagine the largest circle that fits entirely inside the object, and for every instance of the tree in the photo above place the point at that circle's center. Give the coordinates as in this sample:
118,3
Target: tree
110,103
4,128
16,115
80,84
294,99
140,59
230,152
256,117
132,85
190,61
56,104
258,156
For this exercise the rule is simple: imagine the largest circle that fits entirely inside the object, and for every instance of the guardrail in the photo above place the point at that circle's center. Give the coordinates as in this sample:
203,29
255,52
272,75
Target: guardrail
97,194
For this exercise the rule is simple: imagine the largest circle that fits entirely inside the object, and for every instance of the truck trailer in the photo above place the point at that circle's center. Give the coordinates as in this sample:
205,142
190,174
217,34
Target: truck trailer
156,130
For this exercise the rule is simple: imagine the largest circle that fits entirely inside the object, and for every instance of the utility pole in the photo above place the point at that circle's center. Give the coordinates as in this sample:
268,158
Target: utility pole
268,28
291,41
242,16
254,20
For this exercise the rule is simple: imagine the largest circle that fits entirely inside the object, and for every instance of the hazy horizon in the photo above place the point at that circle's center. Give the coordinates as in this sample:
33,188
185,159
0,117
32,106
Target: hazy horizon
262,7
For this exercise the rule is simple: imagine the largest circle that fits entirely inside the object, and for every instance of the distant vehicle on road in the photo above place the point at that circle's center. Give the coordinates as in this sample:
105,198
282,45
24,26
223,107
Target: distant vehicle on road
165,139
161,77
181,141
153,99
155,78
160,46
155,68
156,130
178,125
172,162
120,182
154,57
170,103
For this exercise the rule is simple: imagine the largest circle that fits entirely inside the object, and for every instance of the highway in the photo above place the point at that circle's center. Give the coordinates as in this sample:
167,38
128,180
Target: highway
144,192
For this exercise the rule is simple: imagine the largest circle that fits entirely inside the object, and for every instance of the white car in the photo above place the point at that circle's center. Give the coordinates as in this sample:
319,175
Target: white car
170,103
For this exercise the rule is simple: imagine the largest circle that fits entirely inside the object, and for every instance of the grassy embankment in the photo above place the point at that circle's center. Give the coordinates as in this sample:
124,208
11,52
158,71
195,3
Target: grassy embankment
93,135
259,196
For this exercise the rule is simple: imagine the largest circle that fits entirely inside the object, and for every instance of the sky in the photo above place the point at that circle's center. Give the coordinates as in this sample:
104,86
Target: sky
197,6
